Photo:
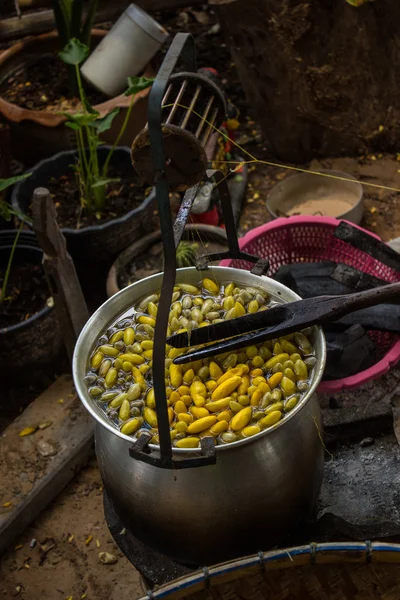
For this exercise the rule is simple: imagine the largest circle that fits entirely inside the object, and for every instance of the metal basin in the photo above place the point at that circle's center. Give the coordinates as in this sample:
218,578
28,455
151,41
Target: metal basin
254,494
308,194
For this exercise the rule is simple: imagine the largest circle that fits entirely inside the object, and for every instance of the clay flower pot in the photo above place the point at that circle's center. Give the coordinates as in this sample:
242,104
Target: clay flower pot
37,134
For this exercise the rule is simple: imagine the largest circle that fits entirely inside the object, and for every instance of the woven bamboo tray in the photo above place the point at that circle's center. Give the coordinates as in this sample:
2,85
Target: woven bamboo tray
332,571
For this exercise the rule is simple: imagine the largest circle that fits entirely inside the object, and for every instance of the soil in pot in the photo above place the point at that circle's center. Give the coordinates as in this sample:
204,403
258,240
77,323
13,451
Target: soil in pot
122,197
151,262
31,345
27,293
44,85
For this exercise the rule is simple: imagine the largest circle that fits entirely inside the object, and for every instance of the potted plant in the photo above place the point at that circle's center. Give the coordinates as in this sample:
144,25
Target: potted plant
30,335
145,257
101,204
34,88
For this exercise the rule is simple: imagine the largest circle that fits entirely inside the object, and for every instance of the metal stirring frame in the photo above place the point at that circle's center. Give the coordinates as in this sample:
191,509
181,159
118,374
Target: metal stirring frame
182,48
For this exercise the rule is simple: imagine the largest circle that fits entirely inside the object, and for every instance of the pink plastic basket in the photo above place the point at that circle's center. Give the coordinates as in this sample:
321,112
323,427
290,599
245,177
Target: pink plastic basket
311,239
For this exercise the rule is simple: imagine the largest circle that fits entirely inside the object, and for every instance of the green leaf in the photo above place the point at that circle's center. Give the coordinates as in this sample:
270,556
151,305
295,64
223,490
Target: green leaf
62,21
21,216
103,181
5,212
358,2
5,183
88,23
104,123
74,52
76,19
137,84
79,119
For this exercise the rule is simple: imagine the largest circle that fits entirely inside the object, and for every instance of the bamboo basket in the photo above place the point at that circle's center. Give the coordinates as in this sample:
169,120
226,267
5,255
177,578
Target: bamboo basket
330,571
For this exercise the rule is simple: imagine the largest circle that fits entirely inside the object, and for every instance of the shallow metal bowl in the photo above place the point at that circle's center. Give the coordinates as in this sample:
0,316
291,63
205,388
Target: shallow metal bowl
291,193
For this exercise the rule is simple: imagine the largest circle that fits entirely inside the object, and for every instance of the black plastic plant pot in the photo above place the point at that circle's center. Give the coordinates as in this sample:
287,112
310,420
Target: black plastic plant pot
92,248
36,342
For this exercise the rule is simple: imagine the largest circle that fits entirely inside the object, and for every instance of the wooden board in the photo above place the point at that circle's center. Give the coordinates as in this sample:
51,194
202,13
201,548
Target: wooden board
30,480
43,20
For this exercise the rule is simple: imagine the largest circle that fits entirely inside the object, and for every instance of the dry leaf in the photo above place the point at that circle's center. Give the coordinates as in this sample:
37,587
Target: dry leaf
200,16
45,425
107,558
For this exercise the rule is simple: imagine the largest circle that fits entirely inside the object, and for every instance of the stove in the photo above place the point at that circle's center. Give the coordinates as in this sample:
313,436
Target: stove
154,567
351,506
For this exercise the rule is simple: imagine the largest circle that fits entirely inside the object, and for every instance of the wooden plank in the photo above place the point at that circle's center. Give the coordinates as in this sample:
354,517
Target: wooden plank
35,468
63,281
43,20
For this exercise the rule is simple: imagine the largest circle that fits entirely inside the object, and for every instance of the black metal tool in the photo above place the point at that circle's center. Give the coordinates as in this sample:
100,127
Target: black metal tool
164,173
278,321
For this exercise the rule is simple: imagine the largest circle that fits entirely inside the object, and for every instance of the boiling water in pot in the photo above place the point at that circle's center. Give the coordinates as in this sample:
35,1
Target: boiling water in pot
230,397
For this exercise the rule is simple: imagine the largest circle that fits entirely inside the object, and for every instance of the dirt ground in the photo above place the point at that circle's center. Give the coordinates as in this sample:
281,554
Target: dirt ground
57,557
381,207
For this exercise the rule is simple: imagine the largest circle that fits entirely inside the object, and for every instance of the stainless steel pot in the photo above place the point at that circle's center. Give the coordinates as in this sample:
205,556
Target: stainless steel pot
254,494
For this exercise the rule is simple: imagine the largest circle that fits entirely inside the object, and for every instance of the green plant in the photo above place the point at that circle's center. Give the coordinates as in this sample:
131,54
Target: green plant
6,211
71,22
358,2
88,125
186,254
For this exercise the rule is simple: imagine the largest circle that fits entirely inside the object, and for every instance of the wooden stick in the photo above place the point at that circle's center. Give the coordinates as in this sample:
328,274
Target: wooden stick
69,302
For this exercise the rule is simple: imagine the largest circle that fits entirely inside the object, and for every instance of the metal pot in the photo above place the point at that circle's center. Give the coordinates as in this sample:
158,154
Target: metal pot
254,494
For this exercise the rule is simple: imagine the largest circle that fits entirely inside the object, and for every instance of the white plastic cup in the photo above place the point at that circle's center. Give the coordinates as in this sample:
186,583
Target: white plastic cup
124,52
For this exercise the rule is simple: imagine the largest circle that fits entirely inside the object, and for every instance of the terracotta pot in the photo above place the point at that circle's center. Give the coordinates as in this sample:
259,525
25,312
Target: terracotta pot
37,134
192,233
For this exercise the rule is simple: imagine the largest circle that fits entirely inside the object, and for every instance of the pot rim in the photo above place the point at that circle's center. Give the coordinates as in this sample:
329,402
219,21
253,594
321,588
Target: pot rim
227,272
17,114
150,240
90,228
38,315
282,183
